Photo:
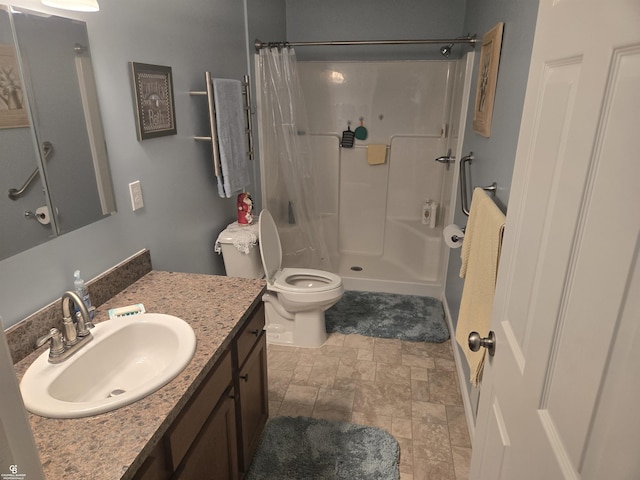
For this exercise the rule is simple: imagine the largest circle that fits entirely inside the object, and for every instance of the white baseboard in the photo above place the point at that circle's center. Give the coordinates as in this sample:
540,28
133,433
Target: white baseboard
462,378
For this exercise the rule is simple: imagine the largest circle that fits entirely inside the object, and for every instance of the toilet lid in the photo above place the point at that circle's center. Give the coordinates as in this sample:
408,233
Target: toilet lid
270,247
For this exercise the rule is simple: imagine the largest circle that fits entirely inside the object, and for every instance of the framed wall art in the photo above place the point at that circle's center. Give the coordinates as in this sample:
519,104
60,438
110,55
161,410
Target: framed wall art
13,111
487,79
155,110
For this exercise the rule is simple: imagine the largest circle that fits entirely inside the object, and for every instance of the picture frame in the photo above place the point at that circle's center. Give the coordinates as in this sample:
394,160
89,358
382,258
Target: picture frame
13,108
487,80
153,96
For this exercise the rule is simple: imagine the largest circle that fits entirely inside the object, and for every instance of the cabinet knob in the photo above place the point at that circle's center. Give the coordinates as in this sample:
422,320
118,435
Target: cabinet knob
245,377
255,332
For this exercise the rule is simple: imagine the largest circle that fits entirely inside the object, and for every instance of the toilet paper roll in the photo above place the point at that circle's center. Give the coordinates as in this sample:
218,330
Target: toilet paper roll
453,236
42,215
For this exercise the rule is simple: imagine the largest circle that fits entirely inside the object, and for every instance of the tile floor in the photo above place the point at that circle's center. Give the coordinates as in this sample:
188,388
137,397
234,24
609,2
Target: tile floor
408,388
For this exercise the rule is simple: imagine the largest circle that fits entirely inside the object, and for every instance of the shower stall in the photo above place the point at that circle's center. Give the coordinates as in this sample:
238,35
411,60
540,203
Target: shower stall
371,215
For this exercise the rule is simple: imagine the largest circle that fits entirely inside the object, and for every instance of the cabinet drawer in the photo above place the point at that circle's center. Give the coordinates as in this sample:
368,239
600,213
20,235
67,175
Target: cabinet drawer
190,421
249,335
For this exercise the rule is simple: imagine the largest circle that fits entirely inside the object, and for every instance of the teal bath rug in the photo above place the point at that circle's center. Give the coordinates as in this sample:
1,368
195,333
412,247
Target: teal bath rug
388,315
302,448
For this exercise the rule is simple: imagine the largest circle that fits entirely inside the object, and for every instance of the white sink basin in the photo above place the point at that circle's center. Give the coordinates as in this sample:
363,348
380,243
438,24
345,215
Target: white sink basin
128,358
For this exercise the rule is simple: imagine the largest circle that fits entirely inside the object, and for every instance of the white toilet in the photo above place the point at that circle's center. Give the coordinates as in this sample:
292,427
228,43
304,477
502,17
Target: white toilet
296,298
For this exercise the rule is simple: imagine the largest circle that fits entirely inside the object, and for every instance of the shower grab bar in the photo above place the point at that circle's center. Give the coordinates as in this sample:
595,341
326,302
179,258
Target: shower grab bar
464,202
15,194
464,199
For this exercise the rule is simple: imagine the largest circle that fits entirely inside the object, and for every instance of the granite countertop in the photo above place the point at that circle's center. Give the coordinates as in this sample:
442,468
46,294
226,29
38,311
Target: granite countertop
114,445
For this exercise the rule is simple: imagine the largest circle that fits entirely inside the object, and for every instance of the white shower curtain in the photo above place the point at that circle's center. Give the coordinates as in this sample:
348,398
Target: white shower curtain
288,167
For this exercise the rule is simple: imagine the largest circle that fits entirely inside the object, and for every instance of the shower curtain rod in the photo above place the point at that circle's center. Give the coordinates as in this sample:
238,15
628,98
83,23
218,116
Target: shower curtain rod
470,39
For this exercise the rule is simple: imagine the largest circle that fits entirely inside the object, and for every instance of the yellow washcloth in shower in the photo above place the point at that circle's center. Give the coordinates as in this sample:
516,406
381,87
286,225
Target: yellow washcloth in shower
376,154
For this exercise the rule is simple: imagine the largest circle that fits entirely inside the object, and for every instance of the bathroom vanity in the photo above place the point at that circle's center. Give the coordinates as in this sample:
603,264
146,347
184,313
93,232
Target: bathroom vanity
206,422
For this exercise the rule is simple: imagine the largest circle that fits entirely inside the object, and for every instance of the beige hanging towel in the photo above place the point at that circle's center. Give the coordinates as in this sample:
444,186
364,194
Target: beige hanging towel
376,154
480,255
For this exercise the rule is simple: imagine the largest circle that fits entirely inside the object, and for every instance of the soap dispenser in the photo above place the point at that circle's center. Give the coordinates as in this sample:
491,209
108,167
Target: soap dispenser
83,292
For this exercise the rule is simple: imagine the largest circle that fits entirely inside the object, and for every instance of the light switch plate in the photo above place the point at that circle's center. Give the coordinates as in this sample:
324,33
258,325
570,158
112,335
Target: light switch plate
135,191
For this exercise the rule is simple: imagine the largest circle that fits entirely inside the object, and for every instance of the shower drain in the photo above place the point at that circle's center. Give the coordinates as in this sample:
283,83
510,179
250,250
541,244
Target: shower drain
356,268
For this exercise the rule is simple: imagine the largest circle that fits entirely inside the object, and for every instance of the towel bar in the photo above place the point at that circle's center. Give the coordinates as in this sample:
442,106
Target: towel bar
212,119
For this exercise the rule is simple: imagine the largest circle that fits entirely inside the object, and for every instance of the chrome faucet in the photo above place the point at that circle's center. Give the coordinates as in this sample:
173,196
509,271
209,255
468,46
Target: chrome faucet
76,334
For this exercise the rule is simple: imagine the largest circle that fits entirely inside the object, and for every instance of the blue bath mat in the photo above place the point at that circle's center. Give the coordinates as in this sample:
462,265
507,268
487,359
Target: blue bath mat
302,448
388,315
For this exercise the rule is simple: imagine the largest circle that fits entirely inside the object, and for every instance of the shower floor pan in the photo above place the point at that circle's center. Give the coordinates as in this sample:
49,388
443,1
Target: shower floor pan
374,273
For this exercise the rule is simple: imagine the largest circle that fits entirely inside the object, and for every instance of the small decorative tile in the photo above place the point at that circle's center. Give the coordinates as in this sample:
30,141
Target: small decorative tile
397,374
418,373
301,394
358,370
372,419
425,469
417,361
335,339
359,341
383,399
401,427
282,360
288,409
443,387
431,441
425,412
461,462
420,390
458,429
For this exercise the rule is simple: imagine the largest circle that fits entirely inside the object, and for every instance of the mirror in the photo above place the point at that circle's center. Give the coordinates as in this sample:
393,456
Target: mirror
54,171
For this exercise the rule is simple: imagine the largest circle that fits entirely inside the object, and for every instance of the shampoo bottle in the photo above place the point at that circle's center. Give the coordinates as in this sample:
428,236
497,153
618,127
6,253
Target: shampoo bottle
82,291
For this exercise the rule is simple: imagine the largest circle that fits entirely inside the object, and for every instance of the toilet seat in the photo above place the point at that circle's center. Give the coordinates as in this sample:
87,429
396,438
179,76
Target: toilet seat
305,280
289,280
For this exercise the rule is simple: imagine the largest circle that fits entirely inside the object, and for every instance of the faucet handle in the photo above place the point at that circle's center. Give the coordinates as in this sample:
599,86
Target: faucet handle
57,342
84,325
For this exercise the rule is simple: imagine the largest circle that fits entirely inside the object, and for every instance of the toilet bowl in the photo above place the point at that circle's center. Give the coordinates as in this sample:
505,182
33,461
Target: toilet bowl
296,298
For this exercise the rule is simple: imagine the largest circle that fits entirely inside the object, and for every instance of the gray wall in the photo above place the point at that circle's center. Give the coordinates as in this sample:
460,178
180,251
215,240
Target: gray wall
311,20
494,157
265,21
183,213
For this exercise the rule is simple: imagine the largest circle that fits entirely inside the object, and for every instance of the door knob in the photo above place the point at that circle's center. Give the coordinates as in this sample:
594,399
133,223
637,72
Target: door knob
476,341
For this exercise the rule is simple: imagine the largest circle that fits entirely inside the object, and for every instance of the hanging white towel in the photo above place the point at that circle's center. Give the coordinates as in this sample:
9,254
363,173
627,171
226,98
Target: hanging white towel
231,126
480,255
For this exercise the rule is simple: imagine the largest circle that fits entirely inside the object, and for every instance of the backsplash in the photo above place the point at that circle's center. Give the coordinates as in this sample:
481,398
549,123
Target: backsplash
22,336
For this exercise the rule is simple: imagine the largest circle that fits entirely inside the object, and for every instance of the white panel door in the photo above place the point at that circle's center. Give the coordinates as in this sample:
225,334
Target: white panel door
558,399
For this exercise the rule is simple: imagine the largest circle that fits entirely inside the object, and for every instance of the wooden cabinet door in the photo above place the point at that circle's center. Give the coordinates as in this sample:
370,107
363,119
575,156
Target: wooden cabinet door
254,402
214,454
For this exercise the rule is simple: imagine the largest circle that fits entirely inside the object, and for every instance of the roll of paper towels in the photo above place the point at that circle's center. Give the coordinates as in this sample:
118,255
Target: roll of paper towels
42,215
453,236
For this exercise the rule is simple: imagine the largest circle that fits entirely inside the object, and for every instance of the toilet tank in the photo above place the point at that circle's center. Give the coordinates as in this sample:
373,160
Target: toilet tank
233,243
